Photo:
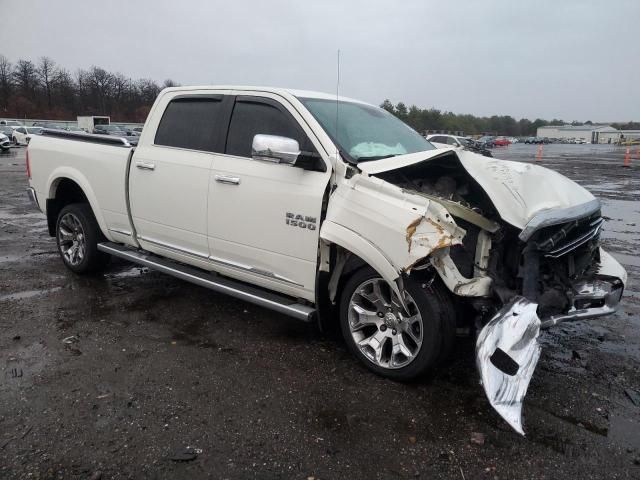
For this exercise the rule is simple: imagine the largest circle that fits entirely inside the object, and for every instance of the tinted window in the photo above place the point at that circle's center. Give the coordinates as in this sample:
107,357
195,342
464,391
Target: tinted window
253,118
438,139
190,123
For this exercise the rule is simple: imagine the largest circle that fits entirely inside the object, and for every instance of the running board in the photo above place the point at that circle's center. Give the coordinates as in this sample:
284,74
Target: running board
212,281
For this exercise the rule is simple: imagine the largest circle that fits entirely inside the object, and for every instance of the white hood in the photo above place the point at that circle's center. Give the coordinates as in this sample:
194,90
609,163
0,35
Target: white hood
519,191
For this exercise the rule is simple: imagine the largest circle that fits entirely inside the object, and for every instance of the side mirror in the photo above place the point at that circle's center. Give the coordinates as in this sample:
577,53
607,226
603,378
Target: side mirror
273,148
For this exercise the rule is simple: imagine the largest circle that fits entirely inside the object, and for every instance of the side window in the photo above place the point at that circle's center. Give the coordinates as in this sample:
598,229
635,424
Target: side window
452,141
192,123
438,139
253,118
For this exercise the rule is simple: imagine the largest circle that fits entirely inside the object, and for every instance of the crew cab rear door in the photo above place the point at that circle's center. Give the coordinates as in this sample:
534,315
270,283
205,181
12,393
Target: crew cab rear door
264,217
169,175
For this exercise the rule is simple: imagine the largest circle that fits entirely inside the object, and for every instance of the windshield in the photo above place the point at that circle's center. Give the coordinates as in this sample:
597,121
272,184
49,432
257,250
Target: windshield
365,132
35,130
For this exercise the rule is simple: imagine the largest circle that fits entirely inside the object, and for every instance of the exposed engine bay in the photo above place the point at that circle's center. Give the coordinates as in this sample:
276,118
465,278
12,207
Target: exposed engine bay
542,269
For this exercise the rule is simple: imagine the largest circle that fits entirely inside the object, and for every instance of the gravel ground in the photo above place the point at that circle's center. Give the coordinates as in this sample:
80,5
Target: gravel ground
133,374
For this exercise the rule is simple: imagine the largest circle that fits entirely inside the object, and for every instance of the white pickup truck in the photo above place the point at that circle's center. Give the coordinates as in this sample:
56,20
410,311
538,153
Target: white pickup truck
332,210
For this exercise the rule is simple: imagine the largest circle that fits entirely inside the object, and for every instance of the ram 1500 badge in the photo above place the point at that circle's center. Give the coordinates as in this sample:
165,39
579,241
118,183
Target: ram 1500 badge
399,242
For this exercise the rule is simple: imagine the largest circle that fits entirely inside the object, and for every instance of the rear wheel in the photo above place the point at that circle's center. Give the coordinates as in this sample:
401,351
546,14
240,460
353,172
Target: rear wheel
390,340
77,236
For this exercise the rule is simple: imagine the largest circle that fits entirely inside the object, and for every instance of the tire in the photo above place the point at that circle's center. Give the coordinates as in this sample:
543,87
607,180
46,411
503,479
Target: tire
437,330
77,238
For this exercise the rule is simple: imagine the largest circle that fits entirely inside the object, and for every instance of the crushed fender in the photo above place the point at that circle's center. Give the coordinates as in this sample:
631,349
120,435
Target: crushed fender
507,352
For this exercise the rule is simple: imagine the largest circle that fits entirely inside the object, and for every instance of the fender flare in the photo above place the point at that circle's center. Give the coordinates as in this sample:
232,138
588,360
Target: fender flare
348,239
61,173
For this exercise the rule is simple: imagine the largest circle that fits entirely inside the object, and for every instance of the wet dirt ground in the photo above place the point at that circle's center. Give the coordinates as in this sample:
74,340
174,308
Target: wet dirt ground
133,374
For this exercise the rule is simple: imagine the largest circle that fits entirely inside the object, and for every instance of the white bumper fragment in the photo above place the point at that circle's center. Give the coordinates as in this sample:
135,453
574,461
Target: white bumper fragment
507,353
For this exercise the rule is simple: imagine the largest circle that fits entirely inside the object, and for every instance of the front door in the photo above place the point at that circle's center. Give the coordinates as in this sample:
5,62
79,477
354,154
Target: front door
264,217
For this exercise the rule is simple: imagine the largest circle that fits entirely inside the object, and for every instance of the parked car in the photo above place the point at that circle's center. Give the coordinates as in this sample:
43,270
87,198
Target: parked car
51,125
442,140
14,123
362,222
532,140
5,143
8,131
72,128
486,141
109,130
501,142
23,135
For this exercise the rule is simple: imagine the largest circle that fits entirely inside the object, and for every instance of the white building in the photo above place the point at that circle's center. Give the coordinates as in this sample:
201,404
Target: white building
589,133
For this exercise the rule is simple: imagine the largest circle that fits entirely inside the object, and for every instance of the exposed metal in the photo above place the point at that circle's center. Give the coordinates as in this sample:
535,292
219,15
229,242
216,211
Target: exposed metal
388,334
507,352
71,239
257,296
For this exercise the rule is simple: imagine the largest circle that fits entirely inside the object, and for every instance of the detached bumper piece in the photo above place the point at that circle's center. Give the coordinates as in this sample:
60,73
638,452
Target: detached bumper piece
507,349
507,353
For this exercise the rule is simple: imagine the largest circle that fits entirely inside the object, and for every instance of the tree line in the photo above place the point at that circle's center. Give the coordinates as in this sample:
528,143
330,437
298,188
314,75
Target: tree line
432,119
43,89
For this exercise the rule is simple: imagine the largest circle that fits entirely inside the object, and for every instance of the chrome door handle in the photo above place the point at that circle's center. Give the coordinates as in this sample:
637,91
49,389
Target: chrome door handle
145,166
228,180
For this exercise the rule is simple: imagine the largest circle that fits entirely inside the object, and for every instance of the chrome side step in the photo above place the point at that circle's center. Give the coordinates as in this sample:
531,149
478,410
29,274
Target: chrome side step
249,293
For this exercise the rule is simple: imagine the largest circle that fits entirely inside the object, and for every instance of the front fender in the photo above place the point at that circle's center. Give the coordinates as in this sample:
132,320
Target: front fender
349,240
405,228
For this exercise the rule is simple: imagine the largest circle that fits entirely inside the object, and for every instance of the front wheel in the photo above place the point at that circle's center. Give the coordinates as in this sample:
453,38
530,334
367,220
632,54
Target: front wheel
390,340
78,235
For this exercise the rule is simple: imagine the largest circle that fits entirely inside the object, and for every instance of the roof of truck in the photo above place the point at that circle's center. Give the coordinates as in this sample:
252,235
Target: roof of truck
278,91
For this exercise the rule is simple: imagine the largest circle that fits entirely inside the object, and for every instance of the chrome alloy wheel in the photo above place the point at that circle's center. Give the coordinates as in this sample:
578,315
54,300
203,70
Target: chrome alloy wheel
71,239
386,334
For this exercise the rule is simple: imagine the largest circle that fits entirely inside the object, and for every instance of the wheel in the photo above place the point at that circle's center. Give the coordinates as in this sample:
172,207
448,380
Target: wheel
77,236
390,341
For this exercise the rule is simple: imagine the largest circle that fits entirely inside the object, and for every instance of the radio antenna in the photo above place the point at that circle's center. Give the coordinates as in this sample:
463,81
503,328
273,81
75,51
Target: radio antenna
337,91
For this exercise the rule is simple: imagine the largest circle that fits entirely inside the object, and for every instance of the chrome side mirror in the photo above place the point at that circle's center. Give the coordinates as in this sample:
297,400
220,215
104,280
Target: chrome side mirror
273,148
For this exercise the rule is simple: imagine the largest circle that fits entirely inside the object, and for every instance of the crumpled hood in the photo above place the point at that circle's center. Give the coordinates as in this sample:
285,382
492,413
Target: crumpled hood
519,191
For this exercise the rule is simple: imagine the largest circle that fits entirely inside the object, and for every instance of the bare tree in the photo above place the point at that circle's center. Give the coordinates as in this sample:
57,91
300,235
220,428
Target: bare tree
26,78
46,73
6,83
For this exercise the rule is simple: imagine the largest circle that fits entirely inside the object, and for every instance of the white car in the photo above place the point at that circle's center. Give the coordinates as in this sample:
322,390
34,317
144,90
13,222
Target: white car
261,194
23,135
441,140
5,143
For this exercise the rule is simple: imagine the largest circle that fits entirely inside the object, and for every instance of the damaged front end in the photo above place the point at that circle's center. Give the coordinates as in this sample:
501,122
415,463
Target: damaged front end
517,244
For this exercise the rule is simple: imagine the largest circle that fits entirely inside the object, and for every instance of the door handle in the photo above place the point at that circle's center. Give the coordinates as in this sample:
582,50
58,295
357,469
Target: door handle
228,180
145,166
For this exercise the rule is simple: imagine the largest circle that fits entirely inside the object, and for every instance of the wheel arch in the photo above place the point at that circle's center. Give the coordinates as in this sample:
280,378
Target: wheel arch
344,252
66,186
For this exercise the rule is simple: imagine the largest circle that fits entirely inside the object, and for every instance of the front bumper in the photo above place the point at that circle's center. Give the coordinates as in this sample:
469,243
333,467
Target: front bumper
595,297
507,349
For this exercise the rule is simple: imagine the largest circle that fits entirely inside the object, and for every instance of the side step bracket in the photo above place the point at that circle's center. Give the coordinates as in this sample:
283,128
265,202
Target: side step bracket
212,281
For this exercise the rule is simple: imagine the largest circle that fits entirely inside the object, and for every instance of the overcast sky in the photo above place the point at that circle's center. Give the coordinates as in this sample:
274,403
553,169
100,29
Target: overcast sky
569,59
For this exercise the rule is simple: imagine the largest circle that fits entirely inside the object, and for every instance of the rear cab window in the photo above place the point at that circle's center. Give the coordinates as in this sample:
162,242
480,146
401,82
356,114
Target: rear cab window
193,122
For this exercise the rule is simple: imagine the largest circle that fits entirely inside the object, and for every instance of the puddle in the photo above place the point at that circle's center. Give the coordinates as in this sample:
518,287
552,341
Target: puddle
28,294
132,272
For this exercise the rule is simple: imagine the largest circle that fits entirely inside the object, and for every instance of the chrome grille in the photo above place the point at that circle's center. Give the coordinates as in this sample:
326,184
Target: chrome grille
562,239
